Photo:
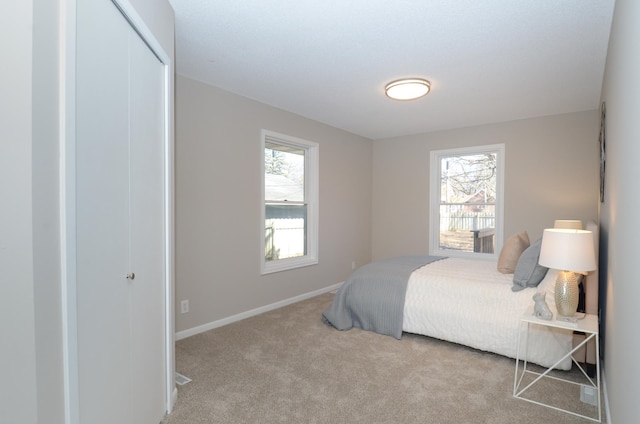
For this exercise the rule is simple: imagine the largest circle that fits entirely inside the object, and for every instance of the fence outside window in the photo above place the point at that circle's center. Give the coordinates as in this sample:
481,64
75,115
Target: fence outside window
466,229
284,238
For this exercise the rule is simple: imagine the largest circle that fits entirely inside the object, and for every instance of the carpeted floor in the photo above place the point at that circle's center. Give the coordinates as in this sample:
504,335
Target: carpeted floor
286,366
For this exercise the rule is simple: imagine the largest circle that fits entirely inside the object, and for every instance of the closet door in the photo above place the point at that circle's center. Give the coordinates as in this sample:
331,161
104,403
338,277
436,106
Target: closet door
120,275
102,215
147,205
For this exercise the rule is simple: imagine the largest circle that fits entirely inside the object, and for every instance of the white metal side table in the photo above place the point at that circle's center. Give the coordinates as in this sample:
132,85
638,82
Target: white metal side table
589,327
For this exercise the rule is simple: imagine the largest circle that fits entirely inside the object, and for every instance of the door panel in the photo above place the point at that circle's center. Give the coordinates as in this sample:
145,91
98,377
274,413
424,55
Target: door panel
147,230
102,212
120,221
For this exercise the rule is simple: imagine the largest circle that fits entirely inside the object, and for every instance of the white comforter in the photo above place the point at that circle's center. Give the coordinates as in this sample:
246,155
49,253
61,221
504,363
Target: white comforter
469,302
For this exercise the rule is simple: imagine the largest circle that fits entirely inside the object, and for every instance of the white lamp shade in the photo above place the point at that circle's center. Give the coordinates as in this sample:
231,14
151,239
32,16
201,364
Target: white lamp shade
572,224
568,250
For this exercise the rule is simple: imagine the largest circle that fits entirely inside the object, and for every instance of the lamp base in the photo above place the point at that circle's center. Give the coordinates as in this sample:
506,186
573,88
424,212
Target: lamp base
566,294
573,319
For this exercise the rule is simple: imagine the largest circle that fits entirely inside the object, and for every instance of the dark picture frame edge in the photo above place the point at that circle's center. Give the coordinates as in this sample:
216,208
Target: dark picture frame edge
602,141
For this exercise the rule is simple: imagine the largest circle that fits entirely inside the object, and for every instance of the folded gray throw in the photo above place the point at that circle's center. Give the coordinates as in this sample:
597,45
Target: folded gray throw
372,298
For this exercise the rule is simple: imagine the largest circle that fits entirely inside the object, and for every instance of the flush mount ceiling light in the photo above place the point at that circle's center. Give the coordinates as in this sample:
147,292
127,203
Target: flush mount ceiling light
407,88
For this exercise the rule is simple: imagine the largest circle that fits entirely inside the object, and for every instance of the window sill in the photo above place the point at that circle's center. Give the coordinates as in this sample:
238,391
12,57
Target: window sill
287,264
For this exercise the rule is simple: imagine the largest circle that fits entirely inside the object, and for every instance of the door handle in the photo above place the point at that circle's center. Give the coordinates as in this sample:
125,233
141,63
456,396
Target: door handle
131,276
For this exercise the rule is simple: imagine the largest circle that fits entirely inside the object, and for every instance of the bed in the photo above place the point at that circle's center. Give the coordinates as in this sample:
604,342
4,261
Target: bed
464,301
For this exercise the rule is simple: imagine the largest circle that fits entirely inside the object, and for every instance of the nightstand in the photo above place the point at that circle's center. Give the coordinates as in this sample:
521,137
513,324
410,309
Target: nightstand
589,327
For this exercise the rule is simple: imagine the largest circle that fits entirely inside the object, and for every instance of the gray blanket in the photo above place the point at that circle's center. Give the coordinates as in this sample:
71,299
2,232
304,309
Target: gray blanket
372,298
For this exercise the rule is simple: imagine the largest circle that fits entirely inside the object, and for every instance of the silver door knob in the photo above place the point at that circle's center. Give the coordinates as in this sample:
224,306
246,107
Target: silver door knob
131,276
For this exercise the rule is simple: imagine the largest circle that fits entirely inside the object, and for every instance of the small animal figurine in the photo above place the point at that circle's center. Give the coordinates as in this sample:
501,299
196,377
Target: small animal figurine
541,309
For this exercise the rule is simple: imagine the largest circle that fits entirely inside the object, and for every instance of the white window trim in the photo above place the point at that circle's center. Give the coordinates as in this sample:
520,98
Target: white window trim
434,204
312,178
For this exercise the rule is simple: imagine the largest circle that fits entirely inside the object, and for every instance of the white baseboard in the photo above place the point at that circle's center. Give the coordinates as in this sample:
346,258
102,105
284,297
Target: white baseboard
243,315
174,398
607,413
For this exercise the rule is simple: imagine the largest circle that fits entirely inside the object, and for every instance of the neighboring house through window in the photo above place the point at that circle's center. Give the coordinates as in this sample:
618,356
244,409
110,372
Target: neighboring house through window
290,202
466,216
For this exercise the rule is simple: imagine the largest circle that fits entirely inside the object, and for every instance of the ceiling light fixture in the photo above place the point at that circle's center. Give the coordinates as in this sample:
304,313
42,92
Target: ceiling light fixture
407,88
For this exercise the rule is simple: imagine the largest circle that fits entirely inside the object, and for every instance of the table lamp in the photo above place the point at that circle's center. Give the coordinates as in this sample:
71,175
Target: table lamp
571,224
568,251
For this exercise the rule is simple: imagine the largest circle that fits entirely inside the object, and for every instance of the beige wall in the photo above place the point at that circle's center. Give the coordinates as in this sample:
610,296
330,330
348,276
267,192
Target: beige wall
620,288
218,204
551,173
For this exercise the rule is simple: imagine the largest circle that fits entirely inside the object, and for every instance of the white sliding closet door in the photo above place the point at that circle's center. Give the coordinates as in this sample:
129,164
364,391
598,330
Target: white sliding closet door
102,216
147,236
120,214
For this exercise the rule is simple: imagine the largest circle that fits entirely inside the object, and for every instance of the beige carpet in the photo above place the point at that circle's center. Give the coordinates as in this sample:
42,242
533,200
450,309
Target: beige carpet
286,366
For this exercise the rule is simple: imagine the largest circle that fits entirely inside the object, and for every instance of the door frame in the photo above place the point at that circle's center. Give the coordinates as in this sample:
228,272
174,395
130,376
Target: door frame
68,248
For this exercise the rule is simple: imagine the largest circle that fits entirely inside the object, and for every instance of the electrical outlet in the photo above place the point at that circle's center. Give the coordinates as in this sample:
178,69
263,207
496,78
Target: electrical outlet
353,265
184,306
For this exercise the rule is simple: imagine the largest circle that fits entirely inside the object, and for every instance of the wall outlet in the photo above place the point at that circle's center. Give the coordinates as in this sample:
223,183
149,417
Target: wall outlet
184,306
353,265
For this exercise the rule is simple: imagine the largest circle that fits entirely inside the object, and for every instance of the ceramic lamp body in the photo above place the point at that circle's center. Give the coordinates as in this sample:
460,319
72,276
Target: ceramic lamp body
567,293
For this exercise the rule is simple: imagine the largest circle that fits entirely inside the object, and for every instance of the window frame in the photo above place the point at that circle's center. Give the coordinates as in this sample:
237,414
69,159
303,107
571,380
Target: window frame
436,157
311,199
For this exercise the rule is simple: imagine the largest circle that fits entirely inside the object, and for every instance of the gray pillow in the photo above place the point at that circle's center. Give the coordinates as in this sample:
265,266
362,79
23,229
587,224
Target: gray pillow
529,273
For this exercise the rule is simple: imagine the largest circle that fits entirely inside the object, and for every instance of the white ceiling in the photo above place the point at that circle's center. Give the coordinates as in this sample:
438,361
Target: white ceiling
329,60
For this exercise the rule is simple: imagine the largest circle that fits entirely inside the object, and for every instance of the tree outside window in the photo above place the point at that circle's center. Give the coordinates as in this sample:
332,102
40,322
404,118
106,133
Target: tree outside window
466,201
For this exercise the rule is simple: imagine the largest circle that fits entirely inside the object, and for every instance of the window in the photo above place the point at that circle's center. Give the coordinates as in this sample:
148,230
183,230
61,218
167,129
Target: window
290,202
467,201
